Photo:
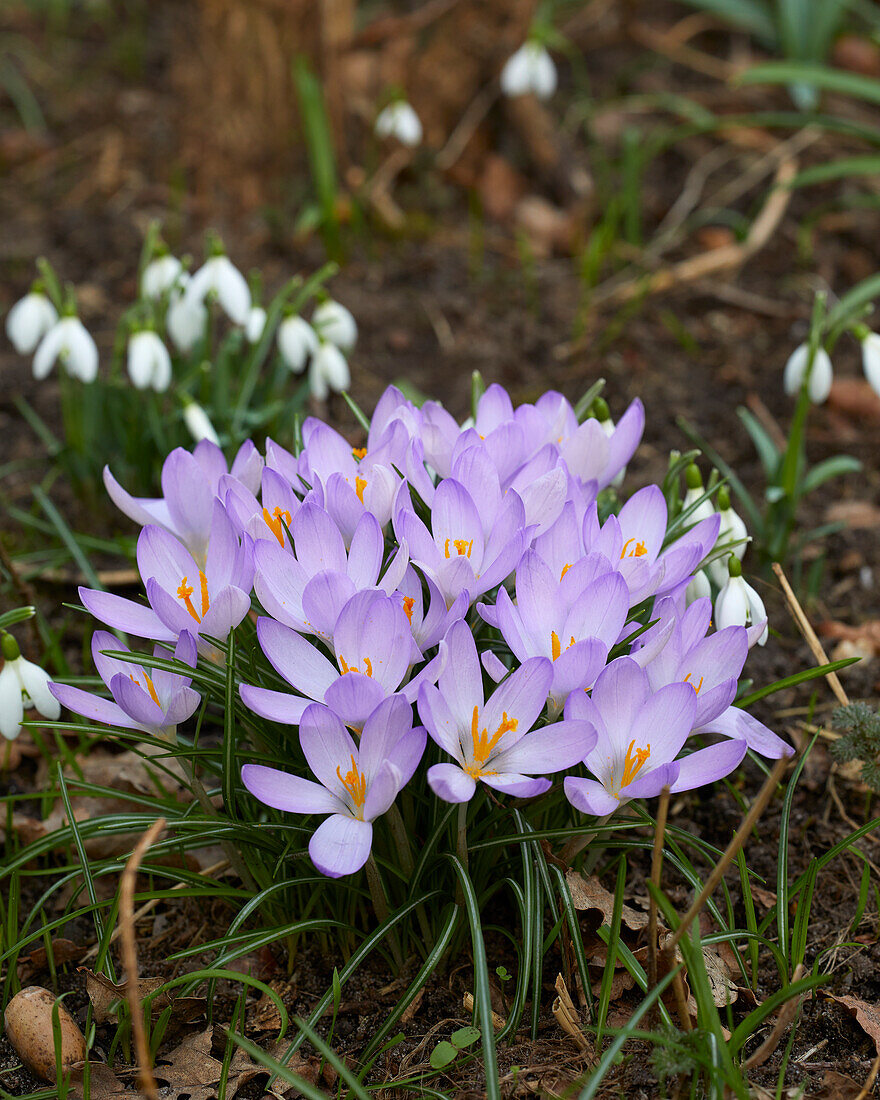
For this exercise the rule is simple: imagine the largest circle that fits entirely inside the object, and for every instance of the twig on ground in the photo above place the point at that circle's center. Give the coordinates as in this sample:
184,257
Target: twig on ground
146,1080
872,1077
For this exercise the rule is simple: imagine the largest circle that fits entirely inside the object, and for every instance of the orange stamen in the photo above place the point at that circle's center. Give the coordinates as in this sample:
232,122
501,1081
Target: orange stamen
633,765
640,549
206,603
565,569
483,744
359,452
356,785
696,687
184,591
408,602
556,645
360,483
274,524
346,667
150,686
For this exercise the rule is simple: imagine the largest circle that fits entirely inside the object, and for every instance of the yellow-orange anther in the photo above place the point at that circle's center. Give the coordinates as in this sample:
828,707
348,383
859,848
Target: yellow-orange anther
368,666
356,785
185,591
273,522
556,645
360,483
639,550
483,744
632,765
565,569
150,686
359,452
463,547
696,687
408,602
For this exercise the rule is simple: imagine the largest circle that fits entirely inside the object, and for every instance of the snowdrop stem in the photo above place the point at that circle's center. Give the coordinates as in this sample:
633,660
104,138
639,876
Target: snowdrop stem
380,905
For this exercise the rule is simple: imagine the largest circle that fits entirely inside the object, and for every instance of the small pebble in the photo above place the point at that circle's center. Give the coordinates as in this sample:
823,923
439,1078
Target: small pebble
28,1022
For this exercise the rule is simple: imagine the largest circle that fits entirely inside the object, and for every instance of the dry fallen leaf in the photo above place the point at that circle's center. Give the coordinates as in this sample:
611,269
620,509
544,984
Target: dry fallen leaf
867,1015
103,994
589,894
854,513
103,1082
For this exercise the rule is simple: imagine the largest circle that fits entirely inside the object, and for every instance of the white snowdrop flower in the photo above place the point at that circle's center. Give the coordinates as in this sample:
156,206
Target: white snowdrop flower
160,275
732,529
186,319
529,70
820,376
694,492
196,420
399,120
23,685
698,587
870,360
297,340
218,275
738,604
149,363
255,324
68,341
328,371
333,322
29,320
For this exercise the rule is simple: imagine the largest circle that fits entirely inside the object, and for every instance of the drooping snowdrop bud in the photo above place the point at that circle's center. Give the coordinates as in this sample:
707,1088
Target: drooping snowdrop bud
529,70
68,341
819,385
186,318
200,427
29,320
149,364
399,120
695,492
297,340
256,324
22,685
328,371
870,359
738,604
732,529
219,276
333,322
160,275
698,588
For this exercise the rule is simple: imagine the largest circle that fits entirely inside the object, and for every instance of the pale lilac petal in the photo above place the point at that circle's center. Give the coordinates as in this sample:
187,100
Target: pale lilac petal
382,791
108,667
439,721
374,626
126,615
450,783
288,792
135,701
182,706
382,730
223,549
665,720
228,607
551,749
162,556
297,660
461,681
454,518
365,552
521,696
623,441
495,669
590,797
652,783
516,785
318,542
323,600
142,510
171,611
643,518
341,845
326,745
408,752
578,667
276,706
354,697
620,692
94,707
742,726
188,496
707,765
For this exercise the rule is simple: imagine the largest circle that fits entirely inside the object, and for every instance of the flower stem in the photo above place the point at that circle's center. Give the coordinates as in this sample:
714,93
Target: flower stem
380,905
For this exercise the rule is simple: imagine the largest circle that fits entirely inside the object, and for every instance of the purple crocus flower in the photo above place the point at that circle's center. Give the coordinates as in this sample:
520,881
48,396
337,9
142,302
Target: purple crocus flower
455,554
575,626
640,733
429,624
490,739
356,782
189,486
265,518
306,590
374,651
182,595
153,702
494,425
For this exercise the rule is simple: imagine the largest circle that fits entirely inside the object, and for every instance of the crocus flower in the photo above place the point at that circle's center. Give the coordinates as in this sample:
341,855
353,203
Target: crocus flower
821,377
399,120
356,782
182,594
870,358
374,650
219,276
297,340
160,275
149,364
187,317
23,685
68,341
738,604
429,623
328,371
199,424
255,324
529,70
29,320
640,733
489,738
154,701
333,322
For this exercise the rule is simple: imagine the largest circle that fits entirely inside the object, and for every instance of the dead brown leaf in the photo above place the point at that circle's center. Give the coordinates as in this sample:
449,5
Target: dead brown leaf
103,994
589,894
867,1015
854,398
854,513
103,1082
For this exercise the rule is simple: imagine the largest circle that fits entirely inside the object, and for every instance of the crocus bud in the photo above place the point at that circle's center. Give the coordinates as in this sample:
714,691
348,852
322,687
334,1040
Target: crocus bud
256,323
196,420
149,363
328,371
738,604
333,322
22,685
399,120
29,320
529,70
297,340
821,375
870,359
68,341
694,482
160,275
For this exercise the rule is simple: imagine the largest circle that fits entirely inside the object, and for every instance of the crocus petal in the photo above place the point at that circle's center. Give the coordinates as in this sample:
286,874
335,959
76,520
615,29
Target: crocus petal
126,615
382,791
283,791
706,765
551,749
742,726
354,697
589,797
451,783
438,718
276,706
297,660
91,706
341,845
516,785
135,701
